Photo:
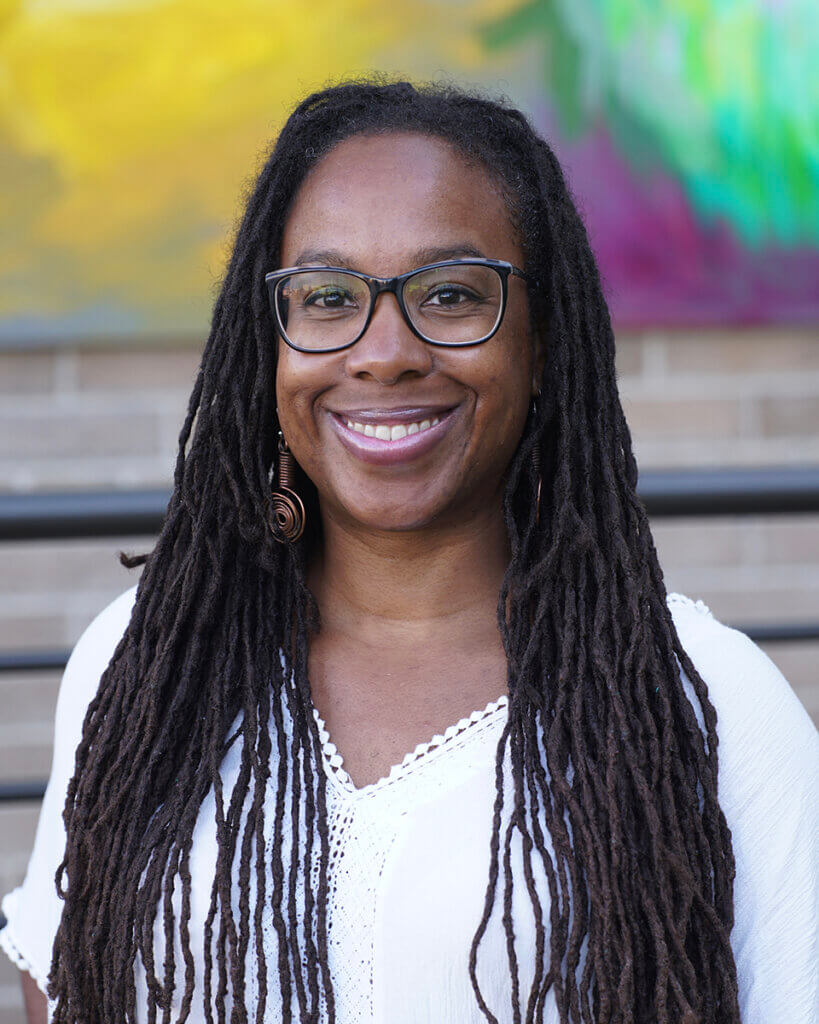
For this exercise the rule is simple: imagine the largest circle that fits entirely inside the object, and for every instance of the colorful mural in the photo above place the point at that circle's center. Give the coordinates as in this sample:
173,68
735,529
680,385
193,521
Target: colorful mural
129,130
690,132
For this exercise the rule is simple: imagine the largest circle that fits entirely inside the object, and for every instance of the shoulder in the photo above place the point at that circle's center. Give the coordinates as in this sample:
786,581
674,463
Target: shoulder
89,659
753,700
718,650
768,777
766,738
99,639
33,909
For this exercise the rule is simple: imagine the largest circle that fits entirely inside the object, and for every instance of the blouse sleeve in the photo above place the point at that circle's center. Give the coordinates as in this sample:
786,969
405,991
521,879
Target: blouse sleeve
767,784
33,910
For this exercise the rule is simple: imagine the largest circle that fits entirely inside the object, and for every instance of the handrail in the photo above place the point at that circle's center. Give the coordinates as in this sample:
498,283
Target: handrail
666,493
66,515
768,490
13,792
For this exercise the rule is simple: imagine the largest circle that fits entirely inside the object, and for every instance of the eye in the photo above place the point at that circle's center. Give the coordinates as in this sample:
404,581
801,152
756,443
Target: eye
329,297
448,296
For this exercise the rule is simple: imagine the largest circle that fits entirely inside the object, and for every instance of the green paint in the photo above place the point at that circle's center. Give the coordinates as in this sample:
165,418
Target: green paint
720,94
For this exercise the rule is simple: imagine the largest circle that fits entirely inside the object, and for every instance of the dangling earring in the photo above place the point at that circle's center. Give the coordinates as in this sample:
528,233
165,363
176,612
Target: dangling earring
536,465
287,506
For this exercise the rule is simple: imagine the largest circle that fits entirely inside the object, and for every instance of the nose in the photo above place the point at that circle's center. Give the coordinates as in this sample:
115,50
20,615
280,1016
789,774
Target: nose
388,350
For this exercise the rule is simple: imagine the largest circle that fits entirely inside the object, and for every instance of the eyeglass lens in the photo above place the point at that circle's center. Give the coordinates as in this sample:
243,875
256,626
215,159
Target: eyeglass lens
326,309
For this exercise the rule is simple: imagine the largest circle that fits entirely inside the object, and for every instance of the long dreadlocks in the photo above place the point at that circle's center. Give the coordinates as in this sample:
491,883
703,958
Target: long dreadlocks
604,743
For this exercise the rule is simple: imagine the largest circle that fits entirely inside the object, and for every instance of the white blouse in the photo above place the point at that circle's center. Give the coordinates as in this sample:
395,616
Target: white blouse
409,854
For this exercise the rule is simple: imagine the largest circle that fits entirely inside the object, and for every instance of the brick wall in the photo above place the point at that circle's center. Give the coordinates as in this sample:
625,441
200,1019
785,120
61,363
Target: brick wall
89,417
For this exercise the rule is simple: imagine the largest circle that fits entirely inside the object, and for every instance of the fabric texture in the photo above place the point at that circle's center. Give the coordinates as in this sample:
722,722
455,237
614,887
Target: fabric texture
409,854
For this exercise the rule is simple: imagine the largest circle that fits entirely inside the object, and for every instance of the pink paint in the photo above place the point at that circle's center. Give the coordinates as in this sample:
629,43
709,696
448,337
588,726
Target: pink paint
660,264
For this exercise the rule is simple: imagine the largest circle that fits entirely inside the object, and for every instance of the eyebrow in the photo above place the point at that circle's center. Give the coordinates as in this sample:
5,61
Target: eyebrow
433,254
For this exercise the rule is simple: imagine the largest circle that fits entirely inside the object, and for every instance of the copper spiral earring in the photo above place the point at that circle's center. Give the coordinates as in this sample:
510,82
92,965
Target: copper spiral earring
287,506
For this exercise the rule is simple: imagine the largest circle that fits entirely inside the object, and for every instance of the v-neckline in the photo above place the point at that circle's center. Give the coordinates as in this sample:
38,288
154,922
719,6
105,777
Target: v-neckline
334,762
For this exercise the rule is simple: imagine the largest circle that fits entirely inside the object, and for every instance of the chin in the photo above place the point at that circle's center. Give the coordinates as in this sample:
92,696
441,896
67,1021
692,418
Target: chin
397,522
400,517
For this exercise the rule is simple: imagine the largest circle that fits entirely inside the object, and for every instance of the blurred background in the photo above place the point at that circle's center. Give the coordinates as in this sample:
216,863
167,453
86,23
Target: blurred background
129,132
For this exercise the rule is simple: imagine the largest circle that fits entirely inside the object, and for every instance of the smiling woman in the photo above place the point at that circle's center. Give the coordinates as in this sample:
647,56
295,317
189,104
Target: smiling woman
400,724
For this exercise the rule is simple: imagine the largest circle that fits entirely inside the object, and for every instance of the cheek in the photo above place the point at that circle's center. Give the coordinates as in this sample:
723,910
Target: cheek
509,399
300,380
294,391
508,377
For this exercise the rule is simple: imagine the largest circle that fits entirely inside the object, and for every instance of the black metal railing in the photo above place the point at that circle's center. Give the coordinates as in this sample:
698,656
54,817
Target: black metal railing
777,490
666,493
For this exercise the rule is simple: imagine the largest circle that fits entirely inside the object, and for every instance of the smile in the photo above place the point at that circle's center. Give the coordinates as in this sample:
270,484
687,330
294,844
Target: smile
387,432
386,443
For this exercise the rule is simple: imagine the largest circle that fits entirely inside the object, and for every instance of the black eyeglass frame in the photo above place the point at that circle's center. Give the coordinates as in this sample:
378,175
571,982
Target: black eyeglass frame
377,285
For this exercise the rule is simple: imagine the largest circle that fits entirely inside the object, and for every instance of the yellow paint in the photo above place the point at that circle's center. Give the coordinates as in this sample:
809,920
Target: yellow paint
143,121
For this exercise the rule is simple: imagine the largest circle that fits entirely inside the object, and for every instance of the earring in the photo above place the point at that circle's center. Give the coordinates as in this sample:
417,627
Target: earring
535,457
287,506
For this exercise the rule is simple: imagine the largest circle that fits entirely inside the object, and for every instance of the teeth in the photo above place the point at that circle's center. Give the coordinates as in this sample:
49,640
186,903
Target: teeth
391,433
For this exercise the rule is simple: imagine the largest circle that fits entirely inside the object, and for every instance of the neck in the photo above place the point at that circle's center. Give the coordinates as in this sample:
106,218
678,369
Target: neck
409,587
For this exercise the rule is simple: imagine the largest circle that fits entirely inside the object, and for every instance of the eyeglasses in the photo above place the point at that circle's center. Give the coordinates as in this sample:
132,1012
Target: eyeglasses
453,303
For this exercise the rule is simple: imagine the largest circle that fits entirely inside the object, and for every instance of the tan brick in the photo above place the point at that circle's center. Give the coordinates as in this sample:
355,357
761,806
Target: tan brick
79,434
670,419
26,372
795,539
26,763
27,697
59,566
47,621
629,355
21,632
95,472
753,605
742,351
13,1012
131,370
658,453
692,542
790,416
18,823
11,996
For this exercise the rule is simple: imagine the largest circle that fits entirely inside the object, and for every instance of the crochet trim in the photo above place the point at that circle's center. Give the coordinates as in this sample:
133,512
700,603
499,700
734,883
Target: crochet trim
12,949
335,761
699,606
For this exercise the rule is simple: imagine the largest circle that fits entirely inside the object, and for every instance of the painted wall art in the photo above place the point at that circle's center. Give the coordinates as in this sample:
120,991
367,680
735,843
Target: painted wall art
131,129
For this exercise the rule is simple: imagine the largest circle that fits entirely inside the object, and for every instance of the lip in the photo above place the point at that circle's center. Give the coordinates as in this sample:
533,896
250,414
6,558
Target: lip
390,453
401,414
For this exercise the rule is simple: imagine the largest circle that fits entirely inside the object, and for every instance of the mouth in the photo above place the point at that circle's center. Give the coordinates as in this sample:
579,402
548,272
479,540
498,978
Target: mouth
388,437
392,431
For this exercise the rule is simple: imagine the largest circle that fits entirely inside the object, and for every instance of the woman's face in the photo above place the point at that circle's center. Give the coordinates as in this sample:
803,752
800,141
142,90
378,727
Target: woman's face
385,205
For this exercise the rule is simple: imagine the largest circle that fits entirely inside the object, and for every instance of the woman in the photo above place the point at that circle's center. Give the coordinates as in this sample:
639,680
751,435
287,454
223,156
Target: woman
405,492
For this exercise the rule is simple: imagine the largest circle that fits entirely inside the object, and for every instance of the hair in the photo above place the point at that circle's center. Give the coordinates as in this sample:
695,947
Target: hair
604,744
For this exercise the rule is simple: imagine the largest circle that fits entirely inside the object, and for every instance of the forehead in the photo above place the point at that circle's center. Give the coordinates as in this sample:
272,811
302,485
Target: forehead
381,199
